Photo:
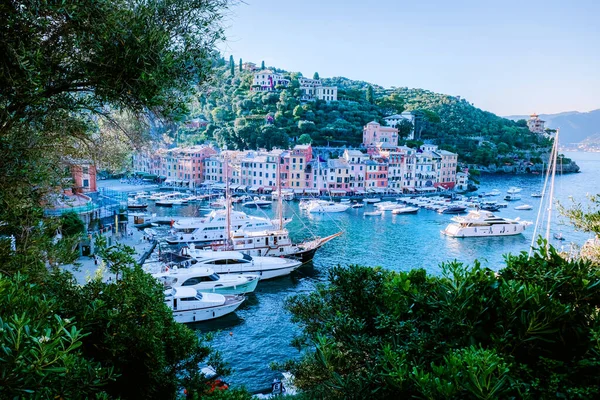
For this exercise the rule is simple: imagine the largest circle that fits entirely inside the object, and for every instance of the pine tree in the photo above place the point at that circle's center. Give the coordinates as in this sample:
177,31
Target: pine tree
231,65
316,76
262,65
240,65
370,97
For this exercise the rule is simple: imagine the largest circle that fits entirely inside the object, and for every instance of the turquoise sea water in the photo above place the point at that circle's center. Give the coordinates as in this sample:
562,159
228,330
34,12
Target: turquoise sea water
260,332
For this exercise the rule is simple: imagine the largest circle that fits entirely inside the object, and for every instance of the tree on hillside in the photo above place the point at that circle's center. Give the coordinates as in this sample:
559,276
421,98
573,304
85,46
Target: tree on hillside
392,104
231,65
304,139
262,65
316,75
405,127
369,94
526,331
424,120
240,65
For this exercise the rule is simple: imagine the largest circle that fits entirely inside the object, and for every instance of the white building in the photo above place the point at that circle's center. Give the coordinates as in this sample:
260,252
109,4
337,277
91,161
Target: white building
313,89
267,80
393,120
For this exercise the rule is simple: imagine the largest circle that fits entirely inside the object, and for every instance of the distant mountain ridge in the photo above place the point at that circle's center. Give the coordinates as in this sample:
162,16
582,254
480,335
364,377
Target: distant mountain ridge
574,126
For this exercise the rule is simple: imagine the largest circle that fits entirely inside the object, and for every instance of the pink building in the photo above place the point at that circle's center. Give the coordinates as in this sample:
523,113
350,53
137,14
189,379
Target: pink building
84,177
446,169
374,133
185,166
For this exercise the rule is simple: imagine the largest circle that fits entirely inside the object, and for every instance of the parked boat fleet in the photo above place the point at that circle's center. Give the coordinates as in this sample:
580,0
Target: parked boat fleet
225,254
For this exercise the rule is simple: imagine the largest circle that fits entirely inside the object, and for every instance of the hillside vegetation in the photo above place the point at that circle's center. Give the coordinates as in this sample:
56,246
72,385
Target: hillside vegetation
242,119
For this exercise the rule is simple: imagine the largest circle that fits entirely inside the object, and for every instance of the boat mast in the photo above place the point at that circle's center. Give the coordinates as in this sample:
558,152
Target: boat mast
227,202
551,200
280,201
539,220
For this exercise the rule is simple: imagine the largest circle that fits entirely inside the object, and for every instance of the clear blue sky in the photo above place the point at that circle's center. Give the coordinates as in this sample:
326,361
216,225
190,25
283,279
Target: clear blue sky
508,57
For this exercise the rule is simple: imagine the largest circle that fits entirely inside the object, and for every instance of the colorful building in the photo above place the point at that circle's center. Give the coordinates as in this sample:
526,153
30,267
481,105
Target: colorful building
374,134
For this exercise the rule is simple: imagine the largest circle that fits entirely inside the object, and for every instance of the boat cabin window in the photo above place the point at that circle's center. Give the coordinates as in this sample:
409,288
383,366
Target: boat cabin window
227,261
188,299
198,279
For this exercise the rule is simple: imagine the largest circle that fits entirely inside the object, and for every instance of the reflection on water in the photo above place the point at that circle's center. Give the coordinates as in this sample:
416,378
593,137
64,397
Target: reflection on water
260,331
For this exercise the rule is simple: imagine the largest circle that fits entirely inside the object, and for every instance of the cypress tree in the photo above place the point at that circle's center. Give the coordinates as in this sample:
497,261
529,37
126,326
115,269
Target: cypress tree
262,65
240,65
231,65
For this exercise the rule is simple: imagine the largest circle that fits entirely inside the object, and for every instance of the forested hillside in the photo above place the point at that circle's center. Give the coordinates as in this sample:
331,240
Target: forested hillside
243,119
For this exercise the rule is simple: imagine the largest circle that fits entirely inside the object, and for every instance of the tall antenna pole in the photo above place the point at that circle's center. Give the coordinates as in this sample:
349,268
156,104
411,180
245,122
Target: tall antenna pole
551,200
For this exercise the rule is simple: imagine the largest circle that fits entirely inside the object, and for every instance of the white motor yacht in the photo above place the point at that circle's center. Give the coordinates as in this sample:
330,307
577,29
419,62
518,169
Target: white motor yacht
484,224
323,206
235,262
257,202
494,192
213,227
204,279
188,305
405,210
372,200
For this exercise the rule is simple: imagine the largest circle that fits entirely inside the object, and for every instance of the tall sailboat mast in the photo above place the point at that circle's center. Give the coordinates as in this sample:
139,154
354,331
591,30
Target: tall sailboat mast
227,201
551,200
551,172
280,201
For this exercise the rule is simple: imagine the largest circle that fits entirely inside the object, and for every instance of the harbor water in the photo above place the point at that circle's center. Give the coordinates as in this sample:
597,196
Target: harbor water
260,331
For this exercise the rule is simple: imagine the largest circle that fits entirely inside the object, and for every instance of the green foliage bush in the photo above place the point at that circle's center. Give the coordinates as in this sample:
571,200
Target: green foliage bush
528,331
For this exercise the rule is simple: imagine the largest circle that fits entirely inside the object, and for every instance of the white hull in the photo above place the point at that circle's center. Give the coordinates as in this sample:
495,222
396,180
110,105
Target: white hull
262,274
328,208
205,314
480,231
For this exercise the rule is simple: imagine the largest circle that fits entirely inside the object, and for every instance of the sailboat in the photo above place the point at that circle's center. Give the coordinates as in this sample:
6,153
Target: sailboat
271,242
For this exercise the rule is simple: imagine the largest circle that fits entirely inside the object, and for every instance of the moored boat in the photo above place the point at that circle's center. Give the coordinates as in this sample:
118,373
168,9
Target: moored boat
524,207
204,279
373,213
189,306
484,224
405,210
235,262
512,197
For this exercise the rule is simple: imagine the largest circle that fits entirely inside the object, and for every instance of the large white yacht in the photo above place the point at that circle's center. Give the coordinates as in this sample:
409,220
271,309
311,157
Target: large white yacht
235,262
324,206
213,227
188,305
482,224
205,279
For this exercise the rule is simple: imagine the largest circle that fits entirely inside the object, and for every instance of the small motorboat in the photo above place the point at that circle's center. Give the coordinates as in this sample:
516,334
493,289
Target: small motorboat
373,213
256,202
453,209
536,194
405,210
494,192
559,236
357,205
524,207
372,200
134,205
512,197
188,305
